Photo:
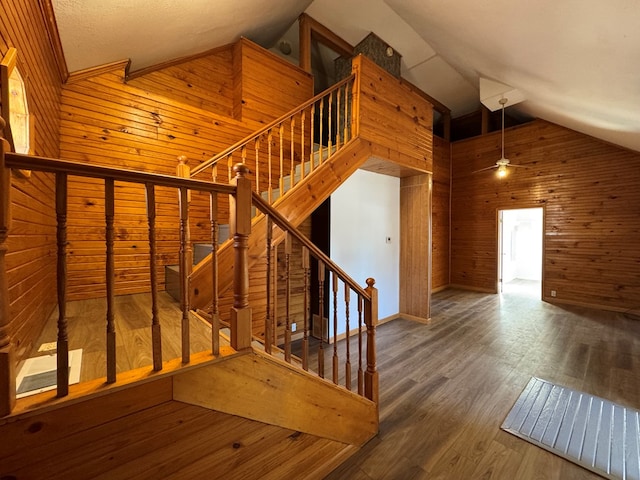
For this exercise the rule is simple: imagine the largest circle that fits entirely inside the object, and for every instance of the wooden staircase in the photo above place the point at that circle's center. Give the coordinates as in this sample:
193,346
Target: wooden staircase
140,433
126,415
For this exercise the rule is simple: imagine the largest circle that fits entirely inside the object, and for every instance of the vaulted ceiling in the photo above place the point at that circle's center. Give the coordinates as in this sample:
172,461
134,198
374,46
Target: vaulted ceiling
575,62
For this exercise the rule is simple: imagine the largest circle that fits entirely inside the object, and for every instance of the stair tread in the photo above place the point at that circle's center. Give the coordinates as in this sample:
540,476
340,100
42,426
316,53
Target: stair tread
183,441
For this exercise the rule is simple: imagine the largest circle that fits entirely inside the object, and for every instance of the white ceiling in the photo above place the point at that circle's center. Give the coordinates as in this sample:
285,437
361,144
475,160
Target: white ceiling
577,62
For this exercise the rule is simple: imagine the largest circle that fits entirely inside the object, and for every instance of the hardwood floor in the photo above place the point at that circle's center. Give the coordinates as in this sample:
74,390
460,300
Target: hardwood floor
446,386
87,326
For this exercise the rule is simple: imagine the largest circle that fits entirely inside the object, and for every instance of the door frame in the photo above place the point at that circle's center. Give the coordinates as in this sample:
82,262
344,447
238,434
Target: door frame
499,246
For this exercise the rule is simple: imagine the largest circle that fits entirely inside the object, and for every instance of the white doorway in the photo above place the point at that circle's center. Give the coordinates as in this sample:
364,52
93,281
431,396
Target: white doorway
520,243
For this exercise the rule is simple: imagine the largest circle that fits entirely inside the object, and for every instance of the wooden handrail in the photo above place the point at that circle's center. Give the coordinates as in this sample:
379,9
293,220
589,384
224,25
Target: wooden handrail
43,164
62,170
284,224
213,160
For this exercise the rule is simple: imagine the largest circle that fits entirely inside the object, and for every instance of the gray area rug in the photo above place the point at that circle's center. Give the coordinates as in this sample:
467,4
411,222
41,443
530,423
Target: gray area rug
597,434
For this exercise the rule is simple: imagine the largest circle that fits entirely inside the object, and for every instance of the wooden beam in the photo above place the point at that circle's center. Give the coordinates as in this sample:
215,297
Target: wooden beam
310,28
49,17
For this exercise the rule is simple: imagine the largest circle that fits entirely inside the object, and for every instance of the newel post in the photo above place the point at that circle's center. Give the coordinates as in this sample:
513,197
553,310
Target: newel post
371,320
7,367
240,226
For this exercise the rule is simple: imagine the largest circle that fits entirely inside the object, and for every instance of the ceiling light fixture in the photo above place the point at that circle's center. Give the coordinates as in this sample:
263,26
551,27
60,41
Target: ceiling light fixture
501,164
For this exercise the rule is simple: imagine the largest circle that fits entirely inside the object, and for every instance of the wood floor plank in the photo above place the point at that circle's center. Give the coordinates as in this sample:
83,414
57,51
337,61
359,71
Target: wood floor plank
446,386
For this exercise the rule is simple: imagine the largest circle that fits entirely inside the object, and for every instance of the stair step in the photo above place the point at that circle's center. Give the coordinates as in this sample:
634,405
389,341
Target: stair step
167,441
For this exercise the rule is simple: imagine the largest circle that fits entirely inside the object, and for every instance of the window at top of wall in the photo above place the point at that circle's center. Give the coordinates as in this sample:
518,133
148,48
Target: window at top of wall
18,112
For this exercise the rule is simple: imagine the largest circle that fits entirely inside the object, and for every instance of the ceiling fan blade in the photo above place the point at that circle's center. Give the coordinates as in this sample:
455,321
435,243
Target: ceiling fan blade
514,165
486,168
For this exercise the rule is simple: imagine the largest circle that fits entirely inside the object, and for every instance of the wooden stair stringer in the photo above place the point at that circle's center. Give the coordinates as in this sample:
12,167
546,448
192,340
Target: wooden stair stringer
266,389
296,206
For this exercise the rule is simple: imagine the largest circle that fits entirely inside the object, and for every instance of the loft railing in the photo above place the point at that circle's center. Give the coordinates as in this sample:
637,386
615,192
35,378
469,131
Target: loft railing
286,150
354,307
240,214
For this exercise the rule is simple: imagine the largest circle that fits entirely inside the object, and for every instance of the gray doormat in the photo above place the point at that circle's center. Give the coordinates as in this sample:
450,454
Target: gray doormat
599,435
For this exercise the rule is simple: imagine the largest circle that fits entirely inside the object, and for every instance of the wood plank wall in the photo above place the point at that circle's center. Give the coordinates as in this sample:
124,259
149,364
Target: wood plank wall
140,125
394,118
589,190
31,256
269,85
415,209
205,83
440,213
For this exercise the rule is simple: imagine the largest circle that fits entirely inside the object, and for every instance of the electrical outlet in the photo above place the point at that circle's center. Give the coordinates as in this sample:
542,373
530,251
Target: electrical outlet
553,293
293,327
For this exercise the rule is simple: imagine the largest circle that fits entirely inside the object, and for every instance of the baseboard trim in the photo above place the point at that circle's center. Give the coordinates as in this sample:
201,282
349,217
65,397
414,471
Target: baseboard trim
472,289
596,306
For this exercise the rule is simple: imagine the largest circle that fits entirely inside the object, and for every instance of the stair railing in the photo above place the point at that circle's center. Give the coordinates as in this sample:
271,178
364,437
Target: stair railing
240,212
283,152
354,310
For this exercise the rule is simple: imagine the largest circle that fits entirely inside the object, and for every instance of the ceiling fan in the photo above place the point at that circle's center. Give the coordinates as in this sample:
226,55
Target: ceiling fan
503,163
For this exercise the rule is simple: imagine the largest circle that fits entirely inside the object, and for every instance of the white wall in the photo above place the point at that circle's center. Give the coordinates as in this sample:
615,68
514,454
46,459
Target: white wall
365,210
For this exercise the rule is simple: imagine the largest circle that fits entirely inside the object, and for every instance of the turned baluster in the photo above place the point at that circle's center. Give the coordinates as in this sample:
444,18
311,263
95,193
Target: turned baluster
287,301
183,269
257,149
61,278
329,122
338,113
268,331
240,224
371,320
109,214
270,165
215,304
184,171
302,149
229,167
281,181
306,309
355,99
312,141
347,380
274,293
335,328
346,115
7,366
321,318
320,123
214,173
156,337
293,164
360,370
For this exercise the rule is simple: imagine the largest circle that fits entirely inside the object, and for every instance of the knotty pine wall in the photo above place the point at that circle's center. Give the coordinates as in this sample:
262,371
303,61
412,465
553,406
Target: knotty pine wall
31,245
440,214
589,190
397,121
140,125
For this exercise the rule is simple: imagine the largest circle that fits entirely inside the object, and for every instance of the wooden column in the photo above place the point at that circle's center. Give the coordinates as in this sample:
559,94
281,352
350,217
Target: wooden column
7,366
371,320
305,43
240,226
